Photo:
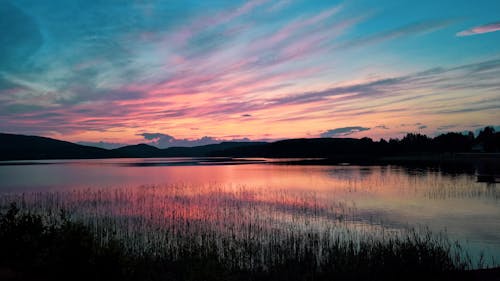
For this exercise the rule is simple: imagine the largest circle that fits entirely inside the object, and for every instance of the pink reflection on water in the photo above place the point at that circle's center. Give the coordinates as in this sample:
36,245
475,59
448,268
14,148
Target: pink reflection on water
231,199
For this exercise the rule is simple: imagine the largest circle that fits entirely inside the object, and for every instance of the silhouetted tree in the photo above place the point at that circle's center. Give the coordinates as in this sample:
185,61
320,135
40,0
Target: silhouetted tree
453,142
415,143
489,139
486,133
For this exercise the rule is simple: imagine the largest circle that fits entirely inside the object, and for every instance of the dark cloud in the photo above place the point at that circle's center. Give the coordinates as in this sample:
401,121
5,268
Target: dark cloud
446,127
246,115
472,109
382,127
418,125
358,90
344,131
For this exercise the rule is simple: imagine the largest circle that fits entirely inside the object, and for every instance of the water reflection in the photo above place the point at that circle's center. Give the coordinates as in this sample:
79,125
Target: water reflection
453,199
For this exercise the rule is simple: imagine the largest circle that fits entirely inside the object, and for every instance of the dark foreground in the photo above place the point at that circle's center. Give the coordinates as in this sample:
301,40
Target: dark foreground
33,247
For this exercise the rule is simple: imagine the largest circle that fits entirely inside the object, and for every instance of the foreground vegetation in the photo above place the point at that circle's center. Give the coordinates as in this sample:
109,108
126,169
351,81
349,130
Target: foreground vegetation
178,233
34,250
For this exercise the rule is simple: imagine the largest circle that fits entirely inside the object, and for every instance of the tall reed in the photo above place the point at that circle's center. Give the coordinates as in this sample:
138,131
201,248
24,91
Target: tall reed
244,229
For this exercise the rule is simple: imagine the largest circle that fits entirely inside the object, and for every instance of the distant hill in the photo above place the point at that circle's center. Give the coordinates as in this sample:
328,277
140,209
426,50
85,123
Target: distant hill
209,150
365,150
307,148
21,147
137,151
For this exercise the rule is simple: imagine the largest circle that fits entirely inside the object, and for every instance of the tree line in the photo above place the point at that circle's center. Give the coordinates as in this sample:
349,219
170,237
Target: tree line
486,141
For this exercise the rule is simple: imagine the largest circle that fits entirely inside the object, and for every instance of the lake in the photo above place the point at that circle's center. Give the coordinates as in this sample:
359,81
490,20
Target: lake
368,197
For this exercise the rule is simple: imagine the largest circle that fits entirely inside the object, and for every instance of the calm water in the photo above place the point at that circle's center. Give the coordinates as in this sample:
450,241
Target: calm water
393,197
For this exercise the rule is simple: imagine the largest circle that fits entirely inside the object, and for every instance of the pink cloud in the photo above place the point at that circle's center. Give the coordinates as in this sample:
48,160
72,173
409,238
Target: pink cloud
293,29
487,28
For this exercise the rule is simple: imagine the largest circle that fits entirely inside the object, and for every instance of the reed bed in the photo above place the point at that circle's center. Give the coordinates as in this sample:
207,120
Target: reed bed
251,232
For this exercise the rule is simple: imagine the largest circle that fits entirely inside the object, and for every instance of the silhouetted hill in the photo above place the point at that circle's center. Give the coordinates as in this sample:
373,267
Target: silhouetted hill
137,151
21,147
208,150
316,148
412,146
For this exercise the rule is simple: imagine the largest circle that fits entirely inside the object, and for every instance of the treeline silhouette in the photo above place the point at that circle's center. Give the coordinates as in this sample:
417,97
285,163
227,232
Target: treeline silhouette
486,141
20,147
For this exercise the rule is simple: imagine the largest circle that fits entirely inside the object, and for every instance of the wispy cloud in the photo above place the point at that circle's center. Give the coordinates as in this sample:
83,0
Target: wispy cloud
278,5
406,30
481,75
481,29
446,127
248,68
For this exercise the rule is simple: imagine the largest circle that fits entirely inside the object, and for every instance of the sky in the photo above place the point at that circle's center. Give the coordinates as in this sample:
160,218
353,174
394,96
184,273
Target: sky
188,72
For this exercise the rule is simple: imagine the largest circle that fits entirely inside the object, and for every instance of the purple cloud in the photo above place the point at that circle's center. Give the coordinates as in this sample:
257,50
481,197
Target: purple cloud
342,132
163,140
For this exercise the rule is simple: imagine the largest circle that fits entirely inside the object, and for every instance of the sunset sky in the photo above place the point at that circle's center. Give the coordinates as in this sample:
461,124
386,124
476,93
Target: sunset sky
197,72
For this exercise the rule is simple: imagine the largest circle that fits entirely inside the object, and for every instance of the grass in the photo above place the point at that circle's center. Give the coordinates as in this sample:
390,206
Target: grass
209,233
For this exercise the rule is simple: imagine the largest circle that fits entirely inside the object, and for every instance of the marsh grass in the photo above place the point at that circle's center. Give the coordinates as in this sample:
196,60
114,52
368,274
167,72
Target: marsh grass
210,232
